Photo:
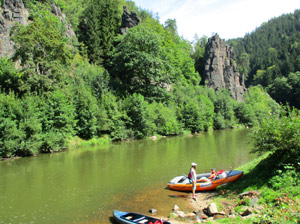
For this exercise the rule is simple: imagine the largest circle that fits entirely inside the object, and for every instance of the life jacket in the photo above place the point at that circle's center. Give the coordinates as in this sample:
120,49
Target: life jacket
213,175
190,175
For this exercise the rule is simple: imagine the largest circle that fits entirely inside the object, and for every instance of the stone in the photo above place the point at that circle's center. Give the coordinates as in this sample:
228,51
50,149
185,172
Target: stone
176,208
249,194
153,210
191,215
203,216
221,70
212,209
68,32
246,212
254,201
129,20
181,214
153,137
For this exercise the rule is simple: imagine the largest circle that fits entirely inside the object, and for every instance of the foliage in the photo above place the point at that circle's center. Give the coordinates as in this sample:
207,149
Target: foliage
223,107
140,66
198,55
43,51
115,118
165,119
262,104
286,90
195,109
138,113
275,43
98,27
87,110
245,114
92,75
9,76
149,82
280,135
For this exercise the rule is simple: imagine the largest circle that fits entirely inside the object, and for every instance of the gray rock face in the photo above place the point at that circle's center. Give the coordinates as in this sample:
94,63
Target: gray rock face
221,69
69,32
11,12
129,20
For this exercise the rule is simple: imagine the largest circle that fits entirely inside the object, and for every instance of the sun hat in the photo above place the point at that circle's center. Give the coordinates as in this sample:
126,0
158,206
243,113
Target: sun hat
194,164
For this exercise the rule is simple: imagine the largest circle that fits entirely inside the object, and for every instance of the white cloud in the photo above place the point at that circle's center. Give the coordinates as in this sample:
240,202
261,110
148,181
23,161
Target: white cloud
230,18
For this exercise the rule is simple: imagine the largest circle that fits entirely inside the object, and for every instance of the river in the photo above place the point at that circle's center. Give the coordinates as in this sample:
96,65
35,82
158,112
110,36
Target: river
85,185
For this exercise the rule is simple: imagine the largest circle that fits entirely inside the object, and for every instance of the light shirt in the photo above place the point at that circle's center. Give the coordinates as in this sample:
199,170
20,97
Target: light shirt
194,175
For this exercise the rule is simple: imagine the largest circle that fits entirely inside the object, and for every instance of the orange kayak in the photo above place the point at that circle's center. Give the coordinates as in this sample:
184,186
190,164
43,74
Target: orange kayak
182,183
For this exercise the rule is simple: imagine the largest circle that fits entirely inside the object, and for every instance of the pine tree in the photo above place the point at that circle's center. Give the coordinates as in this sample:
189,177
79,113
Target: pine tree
98,27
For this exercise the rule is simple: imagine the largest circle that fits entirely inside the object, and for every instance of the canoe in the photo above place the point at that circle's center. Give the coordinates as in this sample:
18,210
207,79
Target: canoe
130,217
182,183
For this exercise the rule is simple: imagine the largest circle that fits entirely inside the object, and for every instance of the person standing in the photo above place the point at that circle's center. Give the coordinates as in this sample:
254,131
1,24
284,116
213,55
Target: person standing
194,178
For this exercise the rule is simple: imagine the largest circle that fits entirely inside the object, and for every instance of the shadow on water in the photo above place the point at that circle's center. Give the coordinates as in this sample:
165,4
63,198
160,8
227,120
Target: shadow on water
112,220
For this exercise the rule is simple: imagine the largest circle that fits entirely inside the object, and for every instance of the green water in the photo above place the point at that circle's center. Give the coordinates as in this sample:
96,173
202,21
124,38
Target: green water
86,185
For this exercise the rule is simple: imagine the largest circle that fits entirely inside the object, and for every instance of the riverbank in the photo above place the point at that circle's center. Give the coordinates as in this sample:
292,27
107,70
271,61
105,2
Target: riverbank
251,199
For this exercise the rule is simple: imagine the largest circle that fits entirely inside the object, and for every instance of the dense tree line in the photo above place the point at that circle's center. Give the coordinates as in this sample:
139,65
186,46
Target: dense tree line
126,87
269,55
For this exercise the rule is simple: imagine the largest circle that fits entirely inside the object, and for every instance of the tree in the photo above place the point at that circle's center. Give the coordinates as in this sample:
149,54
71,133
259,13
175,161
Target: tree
138,112
198,55
171,26
279,135
99,26
244,65
140,66
9,76
43,51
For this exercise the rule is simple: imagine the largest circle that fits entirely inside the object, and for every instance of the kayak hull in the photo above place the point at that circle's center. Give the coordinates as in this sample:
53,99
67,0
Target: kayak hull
131,217
181,183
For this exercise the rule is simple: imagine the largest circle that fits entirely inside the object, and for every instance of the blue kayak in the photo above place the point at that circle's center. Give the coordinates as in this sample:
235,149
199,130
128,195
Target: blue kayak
130,217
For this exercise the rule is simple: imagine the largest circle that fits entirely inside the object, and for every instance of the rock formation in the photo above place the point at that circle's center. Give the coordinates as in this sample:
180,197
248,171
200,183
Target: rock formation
11,12
128,20
69,32
221,69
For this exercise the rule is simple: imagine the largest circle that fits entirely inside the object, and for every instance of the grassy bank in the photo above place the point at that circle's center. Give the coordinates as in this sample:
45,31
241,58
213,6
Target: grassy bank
274,193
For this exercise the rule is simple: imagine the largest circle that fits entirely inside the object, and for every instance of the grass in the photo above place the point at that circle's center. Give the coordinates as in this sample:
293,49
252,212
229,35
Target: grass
77,142
279,188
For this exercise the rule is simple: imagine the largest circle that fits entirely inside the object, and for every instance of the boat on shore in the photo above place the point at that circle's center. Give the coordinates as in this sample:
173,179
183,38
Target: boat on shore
131,217
182,183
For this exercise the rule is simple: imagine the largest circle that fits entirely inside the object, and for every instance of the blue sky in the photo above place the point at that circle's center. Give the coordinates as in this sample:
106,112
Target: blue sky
228,18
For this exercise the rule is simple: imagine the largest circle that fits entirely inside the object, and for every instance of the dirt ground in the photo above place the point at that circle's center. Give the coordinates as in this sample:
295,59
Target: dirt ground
203,200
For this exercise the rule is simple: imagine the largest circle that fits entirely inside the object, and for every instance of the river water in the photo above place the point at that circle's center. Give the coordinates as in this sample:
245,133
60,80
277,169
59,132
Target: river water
86,185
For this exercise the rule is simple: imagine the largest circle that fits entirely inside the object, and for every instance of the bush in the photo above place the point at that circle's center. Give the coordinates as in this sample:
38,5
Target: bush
164,119
280,135
137,110
20,126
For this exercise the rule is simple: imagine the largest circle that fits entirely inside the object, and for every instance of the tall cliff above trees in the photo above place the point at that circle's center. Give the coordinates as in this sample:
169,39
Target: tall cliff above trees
129,20
221,69
11,12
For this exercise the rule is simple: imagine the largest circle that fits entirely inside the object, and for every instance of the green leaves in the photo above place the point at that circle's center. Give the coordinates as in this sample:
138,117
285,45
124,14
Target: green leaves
280,135
43,52
99,26
139,65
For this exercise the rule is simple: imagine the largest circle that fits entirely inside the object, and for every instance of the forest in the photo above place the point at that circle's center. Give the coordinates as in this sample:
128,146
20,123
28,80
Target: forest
270,56
101,84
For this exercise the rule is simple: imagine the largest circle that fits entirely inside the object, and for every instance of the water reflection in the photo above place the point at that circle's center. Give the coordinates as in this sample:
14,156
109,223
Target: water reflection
86,185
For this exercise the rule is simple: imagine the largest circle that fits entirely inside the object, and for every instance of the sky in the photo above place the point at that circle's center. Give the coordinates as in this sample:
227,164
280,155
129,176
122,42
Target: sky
229,18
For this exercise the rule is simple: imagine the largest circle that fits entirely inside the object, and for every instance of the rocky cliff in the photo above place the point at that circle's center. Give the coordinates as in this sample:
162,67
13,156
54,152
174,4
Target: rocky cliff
13,11
221,69
128,20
